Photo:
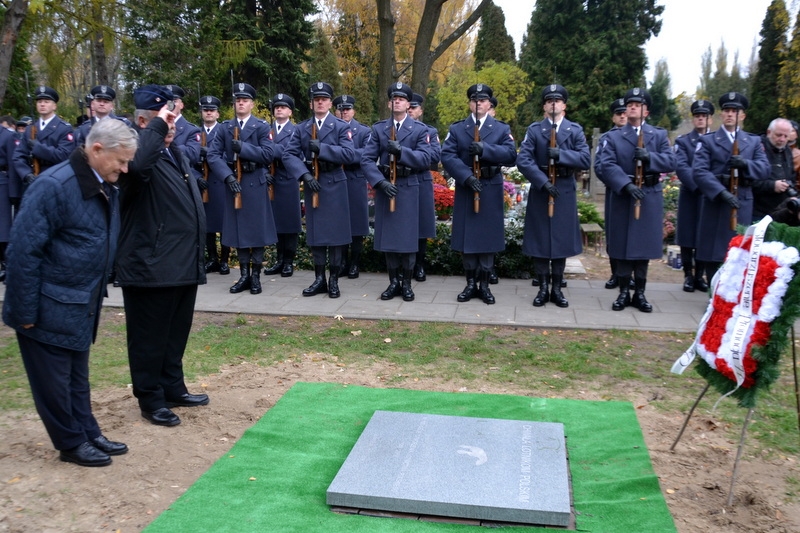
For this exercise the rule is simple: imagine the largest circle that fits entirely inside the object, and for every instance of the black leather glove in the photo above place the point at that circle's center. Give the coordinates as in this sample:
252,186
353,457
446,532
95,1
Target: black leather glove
233,185
476,148
737,161
237,146
32,143
633,190
553,153
641,154
386,187
729,198
203,153
473,183
394,148
310,183
270,179
203,184
313,145
551,189
28,179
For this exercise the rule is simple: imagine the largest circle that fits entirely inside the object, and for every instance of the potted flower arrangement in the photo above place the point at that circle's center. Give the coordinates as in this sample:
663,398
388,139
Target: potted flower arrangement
443,200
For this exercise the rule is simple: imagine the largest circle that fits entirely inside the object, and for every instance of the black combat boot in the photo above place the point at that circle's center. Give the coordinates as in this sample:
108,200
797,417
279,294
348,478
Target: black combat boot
255,280
244,281
333,282
470,290
406,291
288,264
320,286
544,290
556,296
624,298
394,288
484,292
639,301
278,266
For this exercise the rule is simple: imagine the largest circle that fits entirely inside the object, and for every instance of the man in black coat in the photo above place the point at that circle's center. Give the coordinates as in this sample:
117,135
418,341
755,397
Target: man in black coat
161,260
768,194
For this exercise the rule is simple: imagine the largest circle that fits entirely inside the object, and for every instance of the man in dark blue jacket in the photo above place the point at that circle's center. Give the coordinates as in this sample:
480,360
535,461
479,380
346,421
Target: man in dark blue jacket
59,257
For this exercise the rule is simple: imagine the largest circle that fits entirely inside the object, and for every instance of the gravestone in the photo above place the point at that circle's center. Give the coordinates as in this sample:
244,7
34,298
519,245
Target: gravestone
449,466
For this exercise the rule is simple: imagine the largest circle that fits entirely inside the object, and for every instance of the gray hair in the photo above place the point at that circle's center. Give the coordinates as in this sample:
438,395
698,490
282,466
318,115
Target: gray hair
779,121
113,134
148,115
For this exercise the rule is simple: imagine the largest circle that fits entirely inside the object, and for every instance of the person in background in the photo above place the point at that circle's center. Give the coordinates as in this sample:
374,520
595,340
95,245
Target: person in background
59,257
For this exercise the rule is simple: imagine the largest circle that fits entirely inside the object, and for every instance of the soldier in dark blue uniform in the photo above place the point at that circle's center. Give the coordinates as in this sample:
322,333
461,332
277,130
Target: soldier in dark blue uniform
8,142
52,142
634,241
187,135
215,190
690,199
101,104
712,166
286,190
328,224
619,117
478,235
397,231
427,209
356,187
252,227
551,239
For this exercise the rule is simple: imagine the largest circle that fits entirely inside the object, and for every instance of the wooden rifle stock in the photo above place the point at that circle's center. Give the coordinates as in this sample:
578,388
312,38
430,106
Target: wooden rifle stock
237,198
639,172
34,160
734,186
392,164
476,168
314,163
203,143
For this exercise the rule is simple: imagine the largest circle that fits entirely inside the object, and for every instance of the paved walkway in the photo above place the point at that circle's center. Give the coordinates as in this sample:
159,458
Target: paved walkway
589,303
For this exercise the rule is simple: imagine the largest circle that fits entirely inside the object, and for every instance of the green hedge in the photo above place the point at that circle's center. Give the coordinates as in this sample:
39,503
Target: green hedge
440,258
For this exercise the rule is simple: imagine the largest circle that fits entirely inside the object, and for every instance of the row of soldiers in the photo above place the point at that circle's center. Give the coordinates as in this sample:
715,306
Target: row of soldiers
250,170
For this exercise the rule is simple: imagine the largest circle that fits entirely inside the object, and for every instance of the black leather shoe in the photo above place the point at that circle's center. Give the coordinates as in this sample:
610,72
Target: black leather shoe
640,302
419,272
688,284
277,268
85,455
212,266
612,282
109,447
700,284
562,283
287,271
493,279
622,301
224,269
353,273
188,400
162,417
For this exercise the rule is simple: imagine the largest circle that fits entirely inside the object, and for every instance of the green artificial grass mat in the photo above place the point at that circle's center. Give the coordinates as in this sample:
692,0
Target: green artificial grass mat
275,478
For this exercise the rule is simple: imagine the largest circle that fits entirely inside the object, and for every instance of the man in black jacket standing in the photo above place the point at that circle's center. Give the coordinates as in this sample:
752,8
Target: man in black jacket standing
768,194
160,260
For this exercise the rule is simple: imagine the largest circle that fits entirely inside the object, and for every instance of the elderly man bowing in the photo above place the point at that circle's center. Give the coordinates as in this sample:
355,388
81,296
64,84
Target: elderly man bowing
59,257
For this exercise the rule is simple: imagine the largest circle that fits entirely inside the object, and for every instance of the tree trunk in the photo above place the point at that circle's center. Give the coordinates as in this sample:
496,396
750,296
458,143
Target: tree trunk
12,22
386,57
424,57
99,48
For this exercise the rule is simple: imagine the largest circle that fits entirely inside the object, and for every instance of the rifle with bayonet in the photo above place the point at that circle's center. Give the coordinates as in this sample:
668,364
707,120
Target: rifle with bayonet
34,160
639,171
734,185
551,164
314,163
237,198
476,164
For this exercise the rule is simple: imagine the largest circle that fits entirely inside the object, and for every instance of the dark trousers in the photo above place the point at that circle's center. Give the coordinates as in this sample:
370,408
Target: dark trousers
59,380
626,267
478,261
158,321
331,255
544,267
254,255
211,249
406,261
